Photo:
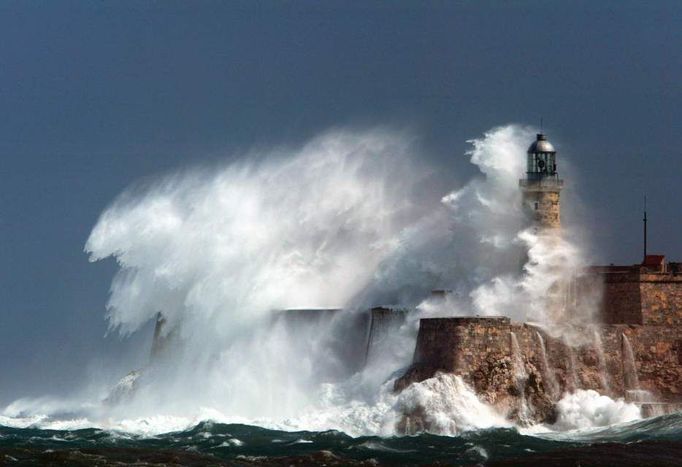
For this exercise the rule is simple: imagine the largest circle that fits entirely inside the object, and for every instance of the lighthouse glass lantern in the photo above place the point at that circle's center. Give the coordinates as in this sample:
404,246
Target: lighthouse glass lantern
541,159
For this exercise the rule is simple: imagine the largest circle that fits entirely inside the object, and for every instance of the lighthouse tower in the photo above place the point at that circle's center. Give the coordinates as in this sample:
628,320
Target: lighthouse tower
542,185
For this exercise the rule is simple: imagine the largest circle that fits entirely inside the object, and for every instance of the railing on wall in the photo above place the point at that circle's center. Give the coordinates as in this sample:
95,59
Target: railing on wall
548,181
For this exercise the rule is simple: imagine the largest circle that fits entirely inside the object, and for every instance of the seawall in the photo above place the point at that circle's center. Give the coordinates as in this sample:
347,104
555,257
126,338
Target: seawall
539,368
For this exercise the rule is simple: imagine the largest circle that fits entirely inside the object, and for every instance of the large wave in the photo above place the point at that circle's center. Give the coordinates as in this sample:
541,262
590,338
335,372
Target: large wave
348,220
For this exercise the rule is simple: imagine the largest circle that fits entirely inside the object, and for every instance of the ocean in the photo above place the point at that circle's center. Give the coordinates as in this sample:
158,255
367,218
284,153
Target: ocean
653,441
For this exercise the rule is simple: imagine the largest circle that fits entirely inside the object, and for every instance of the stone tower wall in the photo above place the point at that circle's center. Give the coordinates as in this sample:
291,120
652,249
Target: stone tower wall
543,207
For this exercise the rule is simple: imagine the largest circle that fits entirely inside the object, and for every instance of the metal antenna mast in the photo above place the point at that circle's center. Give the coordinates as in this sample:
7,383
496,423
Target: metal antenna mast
644,227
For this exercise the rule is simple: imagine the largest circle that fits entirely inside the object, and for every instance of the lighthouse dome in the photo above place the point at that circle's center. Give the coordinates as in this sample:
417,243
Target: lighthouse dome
541,145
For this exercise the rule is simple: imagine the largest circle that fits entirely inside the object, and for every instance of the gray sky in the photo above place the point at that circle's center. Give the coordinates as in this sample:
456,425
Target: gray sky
96,95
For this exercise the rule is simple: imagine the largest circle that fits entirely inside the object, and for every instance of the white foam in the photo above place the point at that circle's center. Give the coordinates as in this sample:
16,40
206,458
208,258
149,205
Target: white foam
47,423
449,406
588,409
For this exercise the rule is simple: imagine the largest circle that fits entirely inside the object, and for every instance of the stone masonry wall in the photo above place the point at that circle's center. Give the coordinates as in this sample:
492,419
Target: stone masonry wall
481,351
661,299
622,301
383,322
547,214
641,298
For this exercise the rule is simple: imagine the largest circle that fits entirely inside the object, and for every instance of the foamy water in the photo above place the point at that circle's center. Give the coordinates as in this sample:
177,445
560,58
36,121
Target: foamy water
448,405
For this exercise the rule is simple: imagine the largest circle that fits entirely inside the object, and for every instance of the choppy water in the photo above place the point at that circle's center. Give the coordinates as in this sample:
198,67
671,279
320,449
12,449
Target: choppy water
655,441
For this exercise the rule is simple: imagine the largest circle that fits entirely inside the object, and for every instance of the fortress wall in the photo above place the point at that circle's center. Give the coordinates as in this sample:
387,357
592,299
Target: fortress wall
658,357
622,301
661,299
341,333
480,350
383,322
439,337
641,298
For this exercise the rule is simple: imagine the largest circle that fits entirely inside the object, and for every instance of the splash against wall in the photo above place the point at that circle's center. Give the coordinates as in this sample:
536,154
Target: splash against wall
347,220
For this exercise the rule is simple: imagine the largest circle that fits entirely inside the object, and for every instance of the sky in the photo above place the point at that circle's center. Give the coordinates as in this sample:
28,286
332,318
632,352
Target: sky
95,96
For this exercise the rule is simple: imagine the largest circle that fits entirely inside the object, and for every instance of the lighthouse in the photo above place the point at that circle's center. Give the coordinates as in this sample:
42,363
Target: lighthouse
542,185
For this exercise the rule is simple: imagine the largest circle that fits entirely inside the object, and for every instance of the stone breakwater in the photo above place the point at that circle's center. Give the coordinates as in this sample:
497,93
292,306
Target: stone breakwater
487,353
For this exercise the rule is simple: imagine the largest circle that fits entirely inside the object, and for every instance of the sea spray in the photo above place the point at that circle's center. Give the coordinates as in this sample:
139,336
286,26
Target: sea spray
572,377
520,379
589,409
444,405
347,220
629,366
548,371
217,250
539,294
214,253
601,359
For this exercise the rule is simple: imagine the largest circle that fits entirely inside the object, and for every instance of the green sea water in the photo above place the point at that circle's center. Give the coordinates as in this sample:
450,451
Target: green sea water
655,441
